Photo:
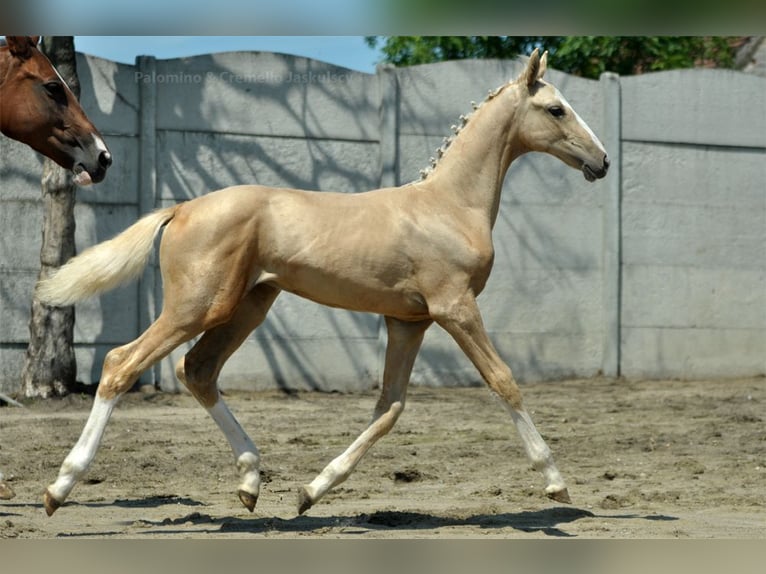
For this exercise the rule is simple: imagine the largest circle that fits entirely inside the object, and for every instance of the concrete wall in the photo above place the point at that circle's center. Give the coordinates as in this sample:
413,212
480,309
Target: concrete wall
658,270
694,224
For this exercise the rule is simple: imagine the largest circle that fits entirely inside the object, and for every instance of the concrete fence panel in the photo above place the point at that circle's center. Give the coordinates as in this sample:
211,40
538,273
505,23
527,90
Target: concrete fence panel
659,270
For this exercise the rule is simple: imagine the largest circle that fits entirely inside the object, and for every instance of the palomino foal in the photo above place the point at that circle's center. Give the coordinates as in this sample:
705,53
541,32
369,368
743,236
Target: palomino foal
38,108
417,254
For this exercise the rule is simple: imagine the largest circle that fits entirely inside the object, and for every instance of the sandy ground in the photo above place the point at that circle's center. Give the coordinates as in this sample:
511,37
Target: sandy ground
661,459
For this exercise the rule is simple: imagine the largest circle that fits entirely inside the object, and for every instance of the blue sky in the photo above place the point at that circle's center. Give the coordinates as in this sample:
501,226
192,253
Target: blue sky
348,51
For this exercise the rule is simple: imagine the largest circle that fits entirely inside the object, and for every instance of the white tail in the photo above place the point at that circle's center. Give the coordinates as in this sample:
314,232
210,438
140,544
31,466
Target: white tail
106,265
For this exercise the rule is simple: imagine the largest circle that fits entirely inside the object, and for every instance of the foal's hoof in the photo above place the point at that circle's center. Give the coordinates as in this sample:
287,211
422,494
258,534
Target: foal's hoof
304,500
560,496
51,504
6,492
248,500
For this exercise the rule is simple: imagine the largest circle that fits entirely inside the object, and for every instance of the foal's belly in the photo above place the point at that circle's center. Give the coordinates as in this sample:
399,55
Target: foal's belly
402,302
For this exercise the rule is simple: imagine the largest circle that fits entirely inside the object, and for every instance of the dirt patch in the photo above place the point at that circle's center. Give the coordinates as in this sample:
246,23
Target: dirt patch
659,459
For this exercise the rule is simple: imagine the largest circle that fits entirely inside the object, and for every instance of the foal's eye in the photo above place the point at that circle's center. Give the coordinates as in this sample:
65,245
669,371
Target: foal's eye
556,111
56,92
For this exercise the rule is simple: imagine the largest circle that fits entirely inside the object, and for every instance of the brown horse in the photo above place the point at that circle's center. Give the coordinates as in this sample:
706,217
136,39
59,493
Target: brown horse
38,108
416,254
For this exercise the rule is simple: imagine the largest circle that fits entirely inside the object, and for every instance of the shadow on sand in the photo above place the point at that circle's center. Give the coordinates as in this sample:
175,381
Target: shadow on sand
549,521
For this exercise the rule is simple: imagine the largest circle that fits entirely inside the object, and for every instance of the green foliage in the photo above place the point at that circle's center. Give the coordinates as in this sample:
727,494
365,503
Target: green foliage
413,50
589,56
586,56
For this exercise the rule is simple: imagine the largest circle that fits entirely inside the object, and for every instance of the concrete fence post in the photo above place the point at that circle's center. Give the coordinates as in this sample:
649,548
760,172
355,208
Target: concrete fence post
389,175
147,194
611,262
389,103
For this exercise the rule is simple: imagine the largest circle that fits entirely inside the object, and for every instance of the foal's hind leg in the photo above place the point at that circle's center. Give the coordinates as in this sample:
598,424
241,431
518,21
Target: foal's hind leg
199,370
404,340
122,366
461,319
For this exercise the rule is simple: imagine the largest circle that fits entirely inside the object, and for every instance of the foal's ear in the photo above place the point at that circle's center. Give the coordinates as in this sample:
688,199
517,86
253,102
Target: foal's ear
543,65
21,46
536,67
533,67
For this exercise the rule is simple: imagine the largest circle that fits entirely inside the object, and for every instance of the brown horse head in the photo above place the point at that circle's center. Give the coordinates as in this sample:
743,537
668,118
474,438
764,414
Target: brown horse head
38,108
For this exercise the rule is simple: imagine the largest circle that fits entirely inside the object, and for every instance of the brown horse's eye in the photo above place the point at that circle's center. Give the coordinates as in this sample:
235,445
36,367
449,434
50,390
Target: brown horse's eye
556,111
56,92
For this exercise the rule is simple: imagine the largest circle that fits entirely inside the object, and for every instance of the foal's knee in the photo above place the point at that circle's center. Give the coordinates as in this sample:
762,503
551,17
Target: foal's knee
504,385
117,375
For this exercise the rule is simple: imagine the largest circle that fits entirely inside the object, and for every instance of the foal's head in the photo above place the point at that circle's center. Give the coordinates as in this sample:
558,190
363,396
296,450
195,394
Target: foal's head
547,123
38,108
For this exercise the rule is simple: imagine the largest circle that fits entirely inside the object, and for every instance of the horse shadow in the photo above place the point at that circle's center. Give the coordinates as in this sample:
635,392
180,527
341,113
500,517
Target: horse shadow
548,521
551,521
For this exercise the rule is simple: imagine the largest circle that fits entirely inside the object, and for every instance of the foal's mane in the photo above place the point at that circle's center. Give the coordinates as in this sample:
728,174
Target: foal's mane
456,129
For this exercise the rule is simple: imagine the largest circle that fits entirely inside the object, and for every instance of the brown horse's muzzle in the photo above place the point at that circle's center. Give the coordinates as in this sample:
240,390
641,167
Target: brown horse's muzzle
91,168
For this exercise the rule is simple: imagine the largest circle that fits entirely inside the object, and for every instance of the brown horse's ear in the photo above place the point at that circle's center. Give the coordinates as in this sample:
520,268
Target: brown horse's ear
21,46
532,72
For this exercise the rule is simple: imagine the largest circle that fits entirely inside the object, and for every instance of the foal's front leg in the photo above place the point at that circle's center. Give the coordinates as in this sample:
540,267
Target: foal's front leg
122,366
80,457
404,340
461,319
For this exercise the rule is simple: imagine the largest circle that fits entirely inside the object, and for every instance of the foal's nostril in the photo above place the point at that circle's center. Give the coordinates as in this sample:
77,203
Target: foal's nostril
105,159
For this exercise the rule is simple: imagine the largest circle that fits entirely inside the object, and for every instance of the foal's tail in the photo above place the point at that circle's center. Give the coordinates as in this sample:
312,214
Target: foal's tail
106,265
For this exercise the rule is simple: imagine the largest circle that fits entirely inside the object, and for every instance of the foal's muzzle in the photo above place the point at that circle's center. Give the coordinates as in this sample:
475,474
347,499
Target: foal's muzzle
592,173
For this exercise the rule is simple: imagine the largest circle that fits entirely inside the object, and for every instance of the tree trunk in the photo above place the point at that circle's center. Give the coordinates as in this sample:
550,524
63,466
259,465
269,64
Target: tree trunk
50,368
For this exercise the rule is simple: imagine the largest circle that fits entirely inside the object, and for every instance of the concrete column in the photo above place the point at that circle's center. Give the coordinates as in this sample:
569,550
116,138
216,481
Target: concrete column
147,195
389,103
611,264
389,169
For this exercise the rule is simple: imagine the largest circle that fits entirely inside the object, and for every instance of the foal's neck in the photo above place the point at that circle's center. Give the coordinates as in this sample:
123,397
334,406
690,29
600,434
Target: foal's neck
473,167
